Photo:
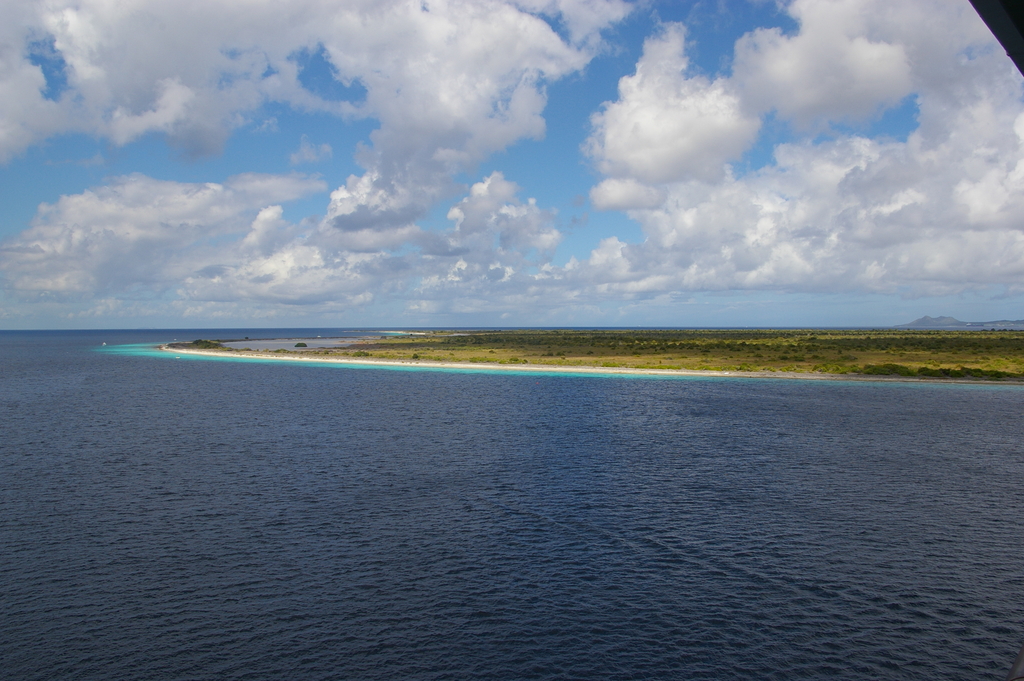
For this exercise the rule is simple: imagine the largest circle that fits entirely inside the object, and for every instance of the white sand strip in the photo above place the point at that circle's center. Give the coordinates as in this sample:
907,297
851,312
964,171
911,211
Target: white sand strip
565,369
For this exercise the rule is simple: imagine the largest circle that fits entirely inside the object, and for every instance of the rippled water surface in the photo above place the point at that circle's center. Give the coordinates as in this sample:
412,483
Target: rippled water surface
168,518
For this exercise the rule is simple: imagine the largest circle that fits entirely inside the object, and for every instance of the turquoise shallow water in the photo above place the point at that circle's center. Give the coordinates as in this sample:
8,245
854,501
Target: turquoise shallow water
197,519
151,350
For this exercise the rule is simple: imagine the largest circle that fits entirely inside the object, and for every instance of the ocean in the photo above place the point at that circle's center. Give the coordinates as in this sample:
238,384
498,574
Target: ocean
190,518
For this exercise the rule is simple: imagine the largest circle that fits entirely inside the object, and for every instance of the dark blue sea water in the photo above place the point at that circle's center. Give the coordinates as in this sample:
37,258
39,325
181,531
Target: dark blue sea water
168,518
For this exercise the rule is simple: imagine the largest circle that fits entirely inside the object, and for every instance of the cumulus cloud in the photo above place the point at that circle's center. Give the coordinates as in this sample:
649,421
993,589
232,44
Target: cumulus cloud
450,81
666,126
214,246
583,19
467,81
936,214
495,241
623,194
140,233
846,62
492,222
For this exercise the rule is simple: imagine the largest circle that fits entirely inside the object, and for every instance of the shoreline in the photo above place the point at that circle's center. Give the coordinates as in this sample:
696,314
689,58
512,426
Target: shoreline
584,370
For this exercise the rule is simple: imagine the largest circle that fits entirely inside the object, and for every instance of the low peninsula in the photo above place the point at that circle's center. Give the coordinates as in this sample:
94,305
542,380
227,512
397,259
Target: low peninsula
907,354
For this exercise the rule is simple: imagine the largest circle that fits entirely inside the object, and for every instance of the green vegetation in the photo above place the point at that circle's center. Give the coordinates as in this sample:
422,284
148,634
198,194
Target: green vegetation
990,355
888,352
207,344
301,345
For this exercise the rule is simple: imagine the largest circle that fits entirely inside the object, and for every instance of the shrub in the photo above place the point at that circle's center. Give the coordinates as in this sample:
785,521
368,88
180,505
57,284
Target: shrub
888,370
827,368
984,373
301,345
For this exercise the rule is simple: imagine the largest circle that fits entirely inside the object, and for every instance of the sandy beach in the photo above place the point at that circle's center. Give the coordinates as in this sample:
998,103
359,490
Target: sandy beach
564,369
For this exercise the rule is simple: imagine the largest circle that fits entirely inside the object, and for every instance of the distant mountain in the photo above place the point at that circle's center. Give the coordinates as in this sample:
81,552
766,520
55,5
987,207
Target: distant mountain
933,323
951,323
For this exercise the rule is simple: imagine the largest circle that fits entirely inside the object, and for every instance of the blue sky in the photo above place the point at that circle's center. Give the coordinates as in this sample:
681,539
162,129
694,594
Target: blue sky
541,162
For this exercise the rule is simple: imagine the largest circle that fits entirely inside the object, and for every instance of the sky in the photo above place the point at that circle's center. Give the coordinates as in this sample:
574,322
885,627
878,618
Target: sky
393,163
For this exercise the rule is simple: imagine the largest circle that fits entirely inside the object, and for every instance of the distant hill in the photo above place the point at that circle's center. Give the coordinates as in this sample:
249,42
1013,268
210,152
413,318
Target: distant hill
951,323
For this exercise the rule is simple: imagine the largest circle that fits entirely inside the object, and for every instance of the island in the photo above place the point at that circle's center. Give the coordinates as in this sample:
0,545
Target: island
793,353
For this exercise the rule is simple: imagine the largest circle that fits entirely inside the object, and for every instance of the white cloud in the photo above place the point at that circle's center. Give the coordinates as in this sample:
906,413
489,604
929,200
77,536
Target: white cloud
623,194
218,245
140,233
849,215
666,127
450,81
496,241
934,215
310,153
846,62
491,224
583,18
938,213
468,80
171,106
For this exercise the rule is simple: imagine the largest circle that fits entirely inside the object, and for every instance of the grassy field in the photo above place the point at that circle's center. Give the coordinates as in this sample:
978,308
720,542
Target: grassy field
937,354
